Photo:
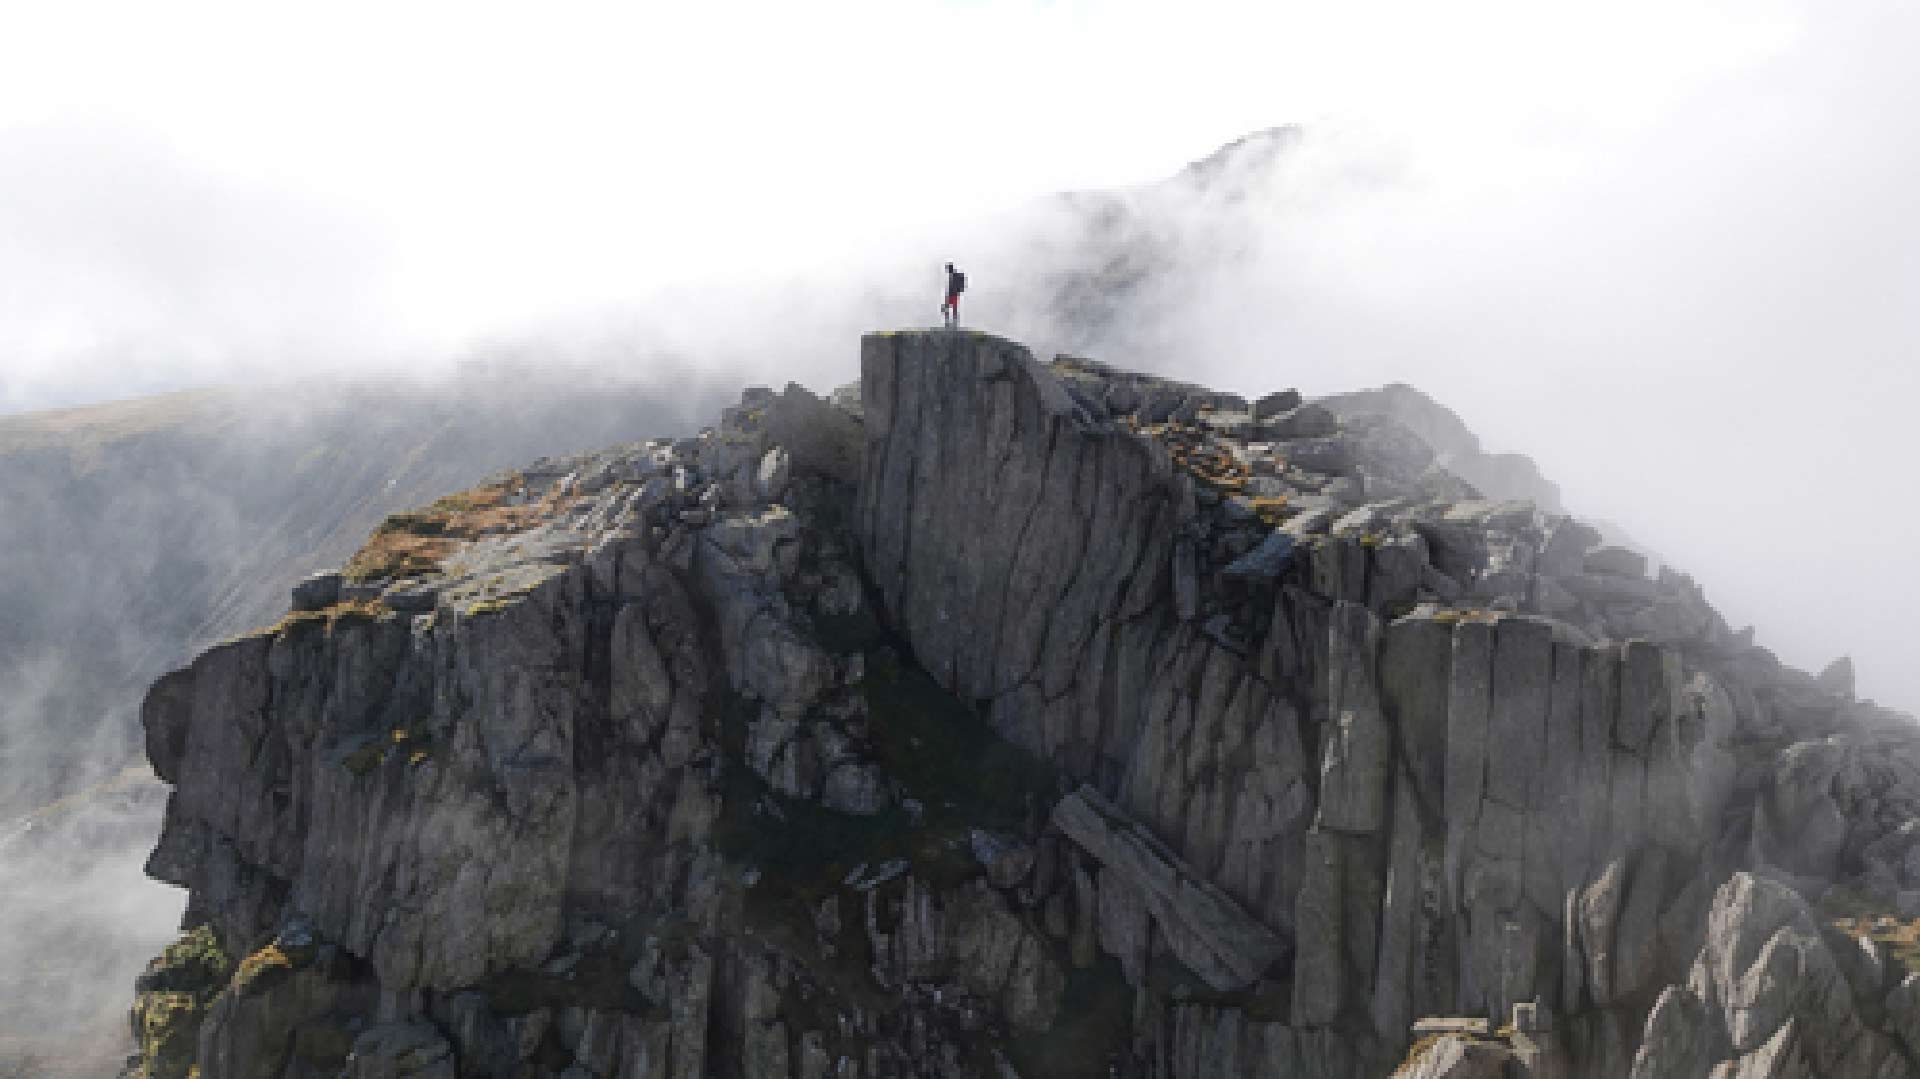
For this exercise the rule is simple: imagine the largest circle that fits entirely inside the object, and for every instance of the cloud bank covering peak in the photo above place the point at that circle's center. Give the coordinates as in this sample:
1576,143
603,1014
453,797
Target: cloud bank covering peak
1667,249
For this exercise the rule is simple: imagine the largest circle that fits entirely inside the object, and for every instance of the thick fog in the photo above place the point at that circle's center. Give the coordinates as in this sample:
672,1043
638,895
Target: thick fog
1668,250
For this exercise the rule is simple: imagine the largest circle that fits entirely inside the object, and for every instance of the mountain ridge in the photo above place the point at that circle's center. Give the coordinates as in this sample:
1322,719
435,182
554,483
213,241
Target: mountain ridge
1018,718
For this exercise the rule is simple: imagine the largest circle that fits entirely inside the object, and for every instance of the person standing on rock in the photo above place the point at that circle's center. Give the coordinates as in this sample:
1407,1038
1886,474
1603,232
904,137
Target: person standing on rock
950,308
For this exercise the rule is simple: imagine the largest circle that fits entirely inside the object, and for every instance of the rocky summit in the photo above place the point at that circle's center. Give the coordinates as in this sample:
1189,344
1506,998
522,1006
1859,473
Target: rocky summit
1003,718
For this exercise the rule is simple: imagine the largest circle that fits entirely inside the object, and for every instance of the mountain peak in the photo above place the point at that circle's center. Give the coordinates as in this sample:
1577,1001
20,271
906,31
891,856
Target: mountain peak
1033,718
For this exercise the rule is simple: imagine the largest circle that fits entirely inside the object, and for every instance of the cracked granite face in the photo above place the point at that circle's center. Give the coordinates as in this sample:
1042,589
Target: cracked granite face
997,717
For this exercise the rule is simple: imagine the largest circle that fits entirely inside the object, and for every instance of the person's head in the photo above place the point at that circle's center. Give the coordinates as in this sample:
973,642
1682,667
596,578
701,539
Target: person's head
949,267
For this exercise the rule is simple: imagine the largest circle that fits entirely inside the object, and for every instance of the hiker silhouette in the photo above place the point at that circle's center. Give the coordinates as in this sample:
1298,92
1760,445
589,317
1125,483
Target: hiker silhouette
950,307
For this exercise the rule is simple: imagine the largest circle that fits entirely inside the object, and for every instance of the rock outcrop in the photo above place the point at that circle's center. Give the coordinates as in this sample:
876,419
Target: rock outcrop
1008,718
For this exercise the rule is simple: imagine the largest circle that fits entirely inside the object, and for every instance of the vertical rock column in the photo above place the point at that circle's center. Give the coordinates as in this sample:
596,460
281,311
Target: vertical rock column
1475,774
1341,898
1028,551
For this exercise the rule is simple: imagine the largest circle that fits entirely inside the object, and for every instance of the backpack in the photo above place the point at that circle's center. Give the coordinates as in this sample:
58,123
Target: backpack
959,282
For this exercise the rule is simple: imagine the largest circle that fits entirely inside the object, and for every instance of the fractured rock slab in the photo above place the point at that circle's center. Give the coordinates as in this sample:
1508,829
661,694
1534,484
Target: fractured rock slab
1206,929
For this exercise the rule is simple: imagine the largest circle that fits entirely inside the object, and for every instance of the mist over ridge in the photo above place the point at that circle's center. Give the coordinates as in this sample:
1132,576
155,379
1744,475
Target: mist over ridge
1688,304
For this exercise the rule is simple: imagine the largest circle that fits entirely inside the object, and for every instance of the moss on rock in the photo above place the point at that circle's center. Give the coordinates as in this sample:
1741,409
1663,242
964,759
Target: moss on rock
174,993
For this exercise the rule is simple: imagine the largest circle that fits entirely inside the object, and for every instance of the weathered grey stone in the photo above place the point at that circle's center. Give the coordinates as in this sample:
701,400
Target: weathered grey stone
1416,963
771,477
1903,1014
1616,562
1796,823
1395,572
412,597
1679,1042
1837,677
1599,913
1550,596
1781,992
1491,514
319,591
1309,522
1637,944
855,787
1416,663
1006,860
1319,967
1455,1057
1303,421
251,1027
1275,403
1206,929
1502,812
973,939
1779,1058
1645,699
1265,562
1517,726
1125,924
1568,541
1612,591
1330,456
824,438
1353,771
401,1051
1469,712
1236,425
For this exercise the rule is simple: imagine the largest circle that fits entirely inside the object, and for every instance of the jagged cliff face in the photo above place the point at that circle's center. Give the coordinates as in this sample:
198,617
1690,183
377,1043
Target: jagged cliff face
149,529
132,535
1006,718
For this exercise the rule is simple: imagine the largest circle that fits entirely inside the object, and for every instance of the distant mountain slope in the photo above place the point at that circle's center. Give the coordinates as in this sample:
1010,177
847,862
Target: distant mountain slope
136,532
1123,254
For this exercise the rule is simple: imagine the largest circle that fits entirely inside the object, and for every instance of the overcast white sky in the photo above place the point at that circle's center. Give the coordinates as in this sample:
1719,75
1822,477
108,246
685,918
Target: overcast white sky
1666,248
210,183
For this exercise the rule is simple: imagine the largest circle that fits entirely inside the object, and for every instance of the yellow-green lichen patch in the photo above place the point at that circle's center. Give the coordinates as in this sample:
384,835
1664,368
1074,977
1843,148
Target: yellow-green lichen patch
167,1026
174,993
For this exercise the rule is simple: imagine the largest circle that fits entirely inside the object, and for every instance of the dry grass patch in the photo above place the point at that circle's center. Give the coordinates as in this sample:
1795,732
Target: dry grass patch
357,610
1271,509
1196,455
261,970
418,542
1863,918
